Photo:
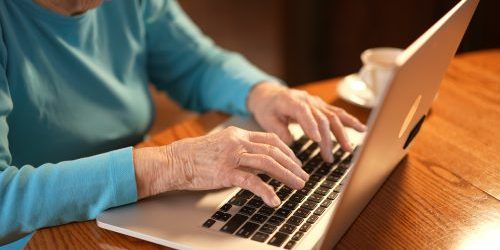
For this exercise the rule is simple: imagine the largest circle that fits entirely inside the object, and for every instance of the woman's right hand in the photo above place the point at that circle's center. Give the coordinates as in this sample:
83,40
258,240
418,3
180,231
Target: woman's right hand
231,157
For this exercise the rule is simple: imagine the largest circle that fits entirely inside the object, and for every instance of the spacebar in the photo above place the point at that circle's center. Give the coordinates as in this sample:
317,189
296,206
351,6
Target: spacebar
234,223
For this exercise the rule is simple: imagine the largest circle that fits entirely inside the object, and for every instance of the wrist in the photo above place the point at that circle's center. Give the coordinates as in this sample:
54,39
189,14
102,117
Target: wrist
153,170
260,92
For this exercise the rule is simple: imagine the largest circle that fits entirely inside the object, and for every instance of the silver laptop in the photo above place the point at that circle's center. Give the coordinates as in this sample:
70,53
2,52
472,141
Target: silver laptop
318,215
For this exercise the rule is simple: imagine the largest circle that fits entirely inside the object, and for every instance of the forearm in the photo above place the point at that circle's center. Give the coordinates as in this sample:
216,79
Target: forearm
54,194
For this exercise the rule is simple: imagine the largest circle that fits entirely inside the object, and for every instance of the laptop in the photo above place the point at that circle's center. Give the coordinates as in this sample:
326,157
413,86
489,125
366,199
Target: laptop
319,214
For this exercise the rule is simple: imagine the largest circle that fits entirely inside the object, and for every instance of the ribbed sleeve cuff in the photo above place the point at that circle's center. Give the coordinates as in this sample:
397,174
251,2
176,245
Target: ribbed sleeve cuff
122,175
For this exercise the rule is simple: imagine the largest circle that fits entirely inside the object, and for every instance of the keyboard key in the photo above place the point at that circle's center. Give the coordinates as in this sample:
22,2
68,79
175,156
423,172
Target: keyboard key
328,184
323,170
315,177
308,169
247,210
326,203
290,244
286,189
304,191
234,223
244,194
268,228
303,157
312,219
332,196
259,218
316,198
322,191
266,210
302,212
338,155
225,207
336,173
333,178
255,202
315,161
247,230
260,236
275,220
294,220
287,228
297,236
310,149
319,211
221,216
275,184
309,205
305,227
310,184
298,144
283,212
338,189
348,159
237,201
290,205
297,198
282,194
264,177
208,223
278,239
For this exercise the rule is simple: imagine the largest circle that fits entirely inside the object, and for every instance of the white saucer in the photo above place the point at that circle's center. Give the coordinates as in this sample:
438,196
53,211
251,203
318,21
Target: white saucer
352,89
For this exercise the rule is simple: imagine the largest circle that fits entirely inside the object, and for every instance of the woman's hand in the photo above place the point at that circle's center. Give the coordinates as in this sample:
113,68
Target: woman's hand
227,158
275,106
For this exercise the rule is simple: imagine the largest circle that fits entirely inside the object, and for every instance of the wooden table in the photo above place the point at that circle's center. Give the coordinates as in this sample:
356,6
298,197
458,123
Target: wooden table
444,195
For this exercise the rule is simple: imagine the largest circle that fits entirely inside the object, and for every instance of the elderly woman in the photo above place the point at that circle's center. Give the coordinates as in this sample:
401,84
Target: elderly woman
74,98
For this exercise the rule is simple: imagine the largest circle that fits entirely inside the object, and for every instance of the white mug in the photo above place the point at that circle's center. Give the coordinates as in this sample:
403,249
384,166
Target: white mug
378,68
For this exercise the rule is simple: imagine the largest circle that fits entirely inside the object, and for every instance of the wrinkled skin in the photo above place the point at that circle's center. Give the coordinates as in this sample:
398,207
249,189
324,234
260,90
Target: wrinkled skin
233,156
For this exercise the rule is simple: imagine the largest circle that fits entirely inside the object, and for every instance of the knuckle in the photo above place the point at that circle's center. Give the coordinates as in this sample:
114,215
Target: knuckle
269,149
265,160
323,119
275,137
248,180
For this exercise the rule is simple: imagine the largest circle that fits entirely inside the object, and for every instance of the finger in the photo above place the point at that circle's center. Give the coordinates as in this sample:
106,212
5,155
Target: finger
274,140
326,144
271,167
279,127
303,115
339,132
279,156
349,120
254,184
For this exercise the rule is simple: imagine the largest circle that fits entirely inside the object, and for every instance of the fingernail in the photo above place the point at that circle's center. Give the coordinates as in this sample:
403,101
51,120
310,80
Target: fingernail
317,136
275,201
300,184
330,158
305,176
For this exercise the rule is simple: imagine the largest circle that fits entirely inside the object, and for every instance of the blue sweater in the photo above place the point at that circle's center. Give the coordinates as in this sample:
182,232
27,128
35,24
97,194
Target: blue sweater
74,98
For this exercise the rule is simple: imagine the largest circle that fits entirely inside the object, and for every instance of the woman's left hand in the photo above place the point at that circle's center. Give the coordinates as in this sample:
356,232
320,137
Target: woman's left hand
275,106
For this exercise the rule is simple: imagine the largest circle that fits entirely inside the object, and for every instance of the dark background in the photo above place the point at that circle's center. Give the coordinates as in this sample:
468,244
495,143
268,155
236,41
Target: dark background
307,40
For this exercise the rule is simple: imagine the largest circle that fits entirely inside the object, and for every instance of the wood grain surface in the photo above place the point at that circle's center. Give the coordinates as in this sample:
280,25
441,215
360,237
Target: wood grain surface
443,195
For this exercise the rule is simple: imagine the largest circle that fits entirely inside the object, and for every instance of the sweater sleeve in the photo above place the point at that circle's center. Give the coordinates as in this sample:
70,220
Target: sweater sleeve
190,67
51,194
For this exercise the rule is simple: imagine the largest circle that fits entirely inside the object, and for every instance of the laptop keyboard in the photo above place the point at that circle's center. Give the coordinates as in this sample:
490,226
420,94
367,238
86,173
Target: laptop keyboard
246,215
